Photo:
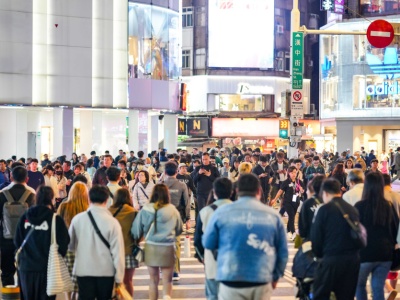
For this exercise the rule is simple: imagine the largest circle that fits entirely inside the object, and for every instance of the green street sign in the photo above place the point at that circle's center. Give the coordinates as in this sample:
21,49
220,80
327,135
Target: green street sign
297,60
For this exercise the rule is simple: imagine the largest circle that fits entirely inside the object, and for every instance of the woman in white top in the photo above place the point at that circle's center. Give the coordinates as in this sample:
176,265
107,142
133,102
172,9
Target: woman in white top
142,190
50,180
89,168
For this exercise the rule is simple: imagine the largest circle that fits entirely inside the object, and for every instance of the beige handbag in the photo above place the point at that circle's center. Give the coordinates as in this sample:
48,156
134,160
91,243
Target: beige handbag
58,278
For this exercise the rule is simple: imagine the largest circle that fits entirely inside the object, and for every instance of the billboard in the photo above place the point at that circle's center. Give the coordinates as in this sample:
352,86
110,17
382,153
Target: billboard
241,34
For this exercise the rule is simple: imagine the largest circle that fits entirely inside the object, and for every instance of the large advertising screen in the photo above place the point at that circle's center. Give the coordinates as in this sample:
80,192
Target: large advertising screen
241,34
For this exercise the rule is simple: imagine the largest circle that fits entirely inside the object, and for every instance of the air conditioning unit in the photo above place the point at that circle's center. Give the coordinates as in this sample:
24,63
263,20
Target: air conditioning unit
279,29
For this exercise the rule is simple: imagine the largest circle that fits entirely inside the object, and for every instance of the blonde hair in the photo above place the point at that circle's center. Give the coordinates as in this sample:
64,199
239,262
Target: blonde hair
245,168
78,201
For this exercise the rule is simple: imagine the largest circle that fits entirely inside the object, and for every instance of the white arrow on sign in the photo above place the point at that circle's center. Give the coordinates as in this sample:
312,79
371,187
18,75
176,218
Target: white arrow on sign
381,33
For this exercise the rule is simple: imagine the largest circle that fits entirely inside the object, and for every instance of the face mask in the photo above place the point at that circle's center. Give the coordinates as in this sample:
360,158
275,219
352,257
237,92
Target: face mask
59,172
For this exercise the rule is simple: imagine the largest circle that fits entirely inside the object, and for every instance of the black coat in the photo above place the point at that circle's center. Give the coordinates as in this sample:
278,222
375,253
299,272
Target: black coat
35,254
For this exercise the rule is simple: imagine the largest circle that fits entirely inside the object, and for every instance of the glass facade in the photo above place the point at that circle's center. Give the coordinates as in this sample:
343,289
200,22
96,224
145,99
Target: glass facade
379,7
154,42
356,79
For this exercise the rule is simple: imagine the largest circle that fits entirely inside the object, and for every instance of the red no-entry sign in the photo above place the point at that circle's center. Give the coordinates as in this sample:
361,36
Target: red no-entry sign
380,33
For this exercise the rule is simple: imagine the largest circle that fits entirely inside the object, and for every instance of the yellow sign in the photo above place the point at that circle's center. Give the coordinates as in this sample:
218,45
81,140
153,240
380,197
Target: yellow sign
181,126
283,124
196,125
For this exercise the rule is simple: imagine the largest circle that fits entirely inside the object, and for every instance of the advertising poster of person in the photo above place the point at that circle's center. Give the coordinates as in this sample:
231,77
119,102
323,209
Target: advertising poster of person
241,33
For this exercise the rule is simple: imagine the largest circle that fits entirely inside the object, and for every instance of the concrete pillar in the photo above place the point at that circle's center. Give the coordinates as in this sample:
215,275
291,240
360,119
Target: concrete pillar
170,133
153,133
63,131
133,124
344,136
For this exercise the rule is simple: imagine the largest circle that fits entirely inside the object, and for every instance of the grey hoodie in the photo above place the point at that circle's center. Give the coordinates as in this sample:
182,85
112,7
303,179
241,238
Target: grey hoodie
178,192
169,224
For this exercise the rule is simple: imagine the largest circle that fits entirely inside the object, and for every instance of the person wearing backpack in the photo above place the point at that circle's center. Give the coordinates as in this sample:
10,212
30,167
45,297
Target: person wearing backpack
10,215
222,190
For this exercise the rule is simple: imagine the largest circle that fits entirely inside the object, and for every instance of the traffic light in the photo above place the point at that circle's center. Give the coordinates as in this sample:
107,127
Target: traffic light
284,129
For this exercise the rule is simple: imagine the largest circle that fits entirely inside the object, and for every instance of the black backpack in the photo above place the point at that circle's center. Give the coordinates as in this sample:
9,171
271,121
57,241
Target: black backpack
12,212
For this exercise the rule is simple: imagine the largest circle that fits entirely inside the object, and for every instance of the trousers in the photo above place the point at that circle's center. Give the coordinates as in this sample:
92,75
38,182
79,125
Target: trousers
91,288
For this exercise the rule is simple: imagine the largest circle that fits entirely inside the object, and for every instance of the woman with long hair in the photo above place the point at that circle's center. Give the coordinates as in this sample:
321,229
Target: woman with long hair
123,211
159,222
292,189
381,223
74,159
349,165
34,256
90,167
61,184
142,190
340,175
78,201
50,180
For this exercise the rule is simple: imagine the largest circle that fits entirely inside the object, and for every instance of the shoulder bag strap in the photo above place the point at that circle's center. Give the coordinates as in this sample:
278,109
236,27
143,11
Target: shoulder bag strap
23,244
8,196
53,230
118,210
98,230
144,193
214,206
346,217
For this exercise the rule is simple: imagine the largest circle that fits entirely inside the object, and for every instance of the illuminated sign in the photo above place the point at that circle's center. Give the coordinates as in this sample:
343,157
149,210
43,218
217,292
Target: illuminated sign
198,127
237,127
383,89
246,88
241,33
182,130
283,124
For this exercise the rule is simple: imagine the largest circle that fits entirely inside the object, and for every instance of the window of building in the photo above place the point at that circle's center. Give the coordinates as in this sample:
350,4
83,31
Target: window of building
185,59
379,7
237,102
187,17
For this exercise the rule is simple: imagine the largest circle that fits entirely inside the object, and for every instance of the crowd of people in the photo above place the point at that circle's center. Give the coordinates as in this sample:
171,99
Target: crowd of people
240,196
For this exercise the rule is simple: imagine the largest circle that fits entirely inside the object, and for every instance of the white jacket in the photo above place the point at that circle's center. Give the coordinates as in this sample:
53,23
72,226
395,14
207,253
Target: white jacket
52,182
92,257
141,195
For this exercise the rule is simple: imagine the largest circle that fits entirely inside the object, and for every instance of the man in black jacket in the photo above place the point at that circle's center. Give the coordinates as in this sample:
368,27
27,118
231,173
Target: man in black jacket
265,174
332,242
203,177
20,175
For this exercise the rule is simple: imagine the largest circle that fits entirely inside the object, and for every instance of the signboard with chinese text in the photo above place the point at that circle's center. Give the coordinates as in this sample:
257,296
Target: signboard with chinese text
297,60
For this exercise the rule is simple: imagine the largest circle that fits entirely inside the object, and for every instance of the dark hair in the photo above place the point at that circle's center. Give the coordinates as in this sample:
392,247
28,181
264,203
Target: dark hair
296,161
79,166
113,173
146,174
197,161
35,160
338,170
263,158
89,163
19,174
222,188
2,161
315,184
108,155
373,160
121,197
206,154
45,196
387,179
93,153
99,194
170,168
316,157
331,186
290,170
377,209
122,162
68,163
280,155
248,185
140,154
80,178
22,159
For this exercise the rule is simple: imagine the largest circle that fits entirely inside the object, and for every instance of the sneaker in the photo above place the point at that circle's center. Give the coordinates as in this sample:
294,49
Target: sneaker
293,236
289,235
175,277
392,295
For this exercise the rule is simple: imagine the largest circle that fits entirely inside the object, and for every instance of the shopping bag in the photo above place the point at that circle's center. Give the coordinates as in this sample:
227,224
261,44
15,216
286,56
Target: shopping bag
186,247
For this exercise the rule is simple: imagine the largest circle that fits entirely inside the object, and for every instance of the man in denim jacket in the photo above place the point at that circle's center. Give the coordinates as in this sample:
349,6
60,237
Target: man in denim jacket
251,243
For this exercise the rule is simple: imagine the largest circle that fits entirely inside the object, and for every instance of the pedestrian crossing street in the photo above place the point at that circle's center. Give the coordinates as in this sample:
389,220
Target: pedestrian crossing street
191,283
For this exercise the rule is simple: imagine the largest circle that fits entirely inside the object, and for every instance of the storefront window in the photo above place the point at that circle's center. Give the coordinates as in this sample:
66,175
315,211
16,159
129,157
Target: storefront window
361,82
154,39
239,102
378,7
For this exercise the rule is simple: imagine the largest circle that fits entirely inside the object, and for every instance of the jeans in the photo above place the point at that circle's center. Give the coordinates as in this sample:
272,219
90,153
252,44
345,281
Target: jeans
212,289
379,272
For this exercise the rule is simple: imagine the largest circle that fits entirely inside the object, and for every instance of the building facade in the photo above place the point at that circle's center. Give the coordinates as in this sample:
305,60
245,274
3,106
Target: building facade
77,76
